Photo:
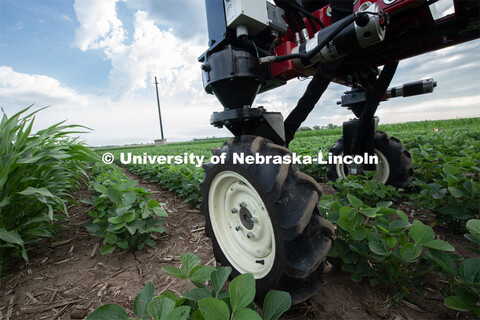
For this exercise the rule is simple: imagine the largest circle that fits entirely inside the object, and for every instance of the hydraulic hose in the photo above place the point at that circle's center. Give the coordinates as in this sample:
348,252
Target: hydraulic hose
330,33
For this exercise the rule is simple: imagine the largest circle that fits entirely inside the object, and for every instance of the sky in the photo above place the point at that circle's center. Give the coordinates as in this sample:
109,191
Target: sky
94,62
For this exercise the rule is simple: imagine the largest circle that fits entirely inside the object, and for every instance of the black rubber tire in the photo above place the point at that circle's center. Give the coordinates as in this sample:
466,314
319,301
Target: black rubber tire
399,160
302,237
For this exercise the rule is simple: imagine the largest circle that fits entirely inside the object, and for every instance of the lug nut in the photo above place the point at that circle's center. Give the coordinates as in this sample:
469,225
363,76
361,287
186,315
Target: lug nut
253,220
243,204
238,228
250,235
234,210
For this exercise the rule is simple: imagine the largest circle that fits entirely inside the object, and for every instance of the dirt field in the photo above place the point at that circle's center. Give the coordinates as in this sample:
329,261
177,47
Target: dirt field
68,278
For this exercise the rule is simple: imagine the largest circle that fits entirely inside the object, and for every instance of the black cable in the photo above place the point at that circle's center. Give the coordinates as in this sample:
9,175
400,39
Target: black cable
312,24
330,32
306,13
298,19
291,21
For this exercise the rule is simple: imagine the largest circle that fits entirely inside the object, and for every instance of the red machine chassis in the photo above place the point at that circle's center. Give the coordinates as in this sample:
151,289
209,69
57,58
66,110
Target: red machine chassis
412,31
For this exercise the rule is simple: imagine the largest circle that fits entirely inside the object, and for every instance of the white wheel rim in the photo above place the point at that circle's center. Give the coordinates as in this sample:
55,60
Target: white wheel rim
382,168
247,254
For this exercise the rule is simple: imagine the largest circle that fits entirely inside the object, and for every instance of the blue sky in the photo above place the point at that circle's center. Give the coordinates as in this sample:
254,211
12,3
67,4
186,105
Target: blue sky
93,63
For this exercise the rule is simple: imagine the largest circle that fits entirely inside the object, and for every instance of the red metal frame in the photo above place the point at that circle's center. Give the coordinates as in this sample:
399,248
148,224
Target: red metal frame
412,31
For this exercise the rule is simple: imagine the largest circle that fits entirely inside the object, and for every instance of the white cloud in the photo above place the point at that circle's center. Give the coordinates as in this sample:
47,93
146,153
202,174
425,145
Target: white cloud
99,24
128,120
154,52
65,17
31,88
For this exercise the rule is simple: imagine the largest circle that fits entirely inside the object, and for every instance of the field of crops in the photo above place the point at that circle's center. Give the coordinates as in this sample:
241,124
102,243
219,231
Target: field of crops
410,242
377,240
432,144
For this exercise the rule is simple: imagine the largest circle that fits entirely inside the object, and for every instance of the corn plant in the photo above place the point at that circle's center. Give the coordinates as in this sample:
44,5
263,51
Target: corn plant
37,174
208,300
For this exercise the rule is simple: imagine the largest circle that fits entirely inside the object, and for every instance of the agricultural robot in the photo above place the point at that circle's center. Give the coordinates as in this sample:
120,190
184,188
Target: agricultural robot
263,218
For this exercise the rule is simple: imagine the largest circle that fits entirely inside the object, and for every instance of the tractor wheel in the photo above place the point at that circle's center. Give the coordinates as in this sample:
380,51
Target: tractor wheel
263,219
394,162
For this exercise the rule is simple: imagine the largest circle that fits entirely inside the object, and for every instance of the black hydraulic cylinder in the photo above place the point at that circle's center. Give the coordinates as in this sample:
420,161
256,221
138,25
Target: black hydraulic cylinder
412,89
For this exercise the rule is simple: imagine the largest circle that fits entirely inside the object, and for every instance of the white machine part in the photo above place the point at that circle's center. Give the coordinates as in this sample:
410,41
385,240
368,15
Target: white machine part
252,14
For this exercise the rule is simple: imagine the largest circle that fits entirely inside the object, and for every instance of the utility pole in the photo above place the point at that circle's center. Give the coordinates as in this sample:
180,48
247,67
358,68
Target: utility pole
159,112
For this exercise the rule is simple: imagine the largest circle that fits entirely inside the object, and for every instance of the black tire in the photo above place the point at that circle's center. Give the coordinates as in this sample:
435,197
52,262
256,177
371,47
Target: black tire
301,238
398,160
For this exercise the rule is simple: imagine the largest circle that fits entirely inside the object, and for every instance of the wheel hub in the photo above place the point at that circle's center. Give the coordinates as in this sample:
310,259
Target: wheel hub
241,224
246,218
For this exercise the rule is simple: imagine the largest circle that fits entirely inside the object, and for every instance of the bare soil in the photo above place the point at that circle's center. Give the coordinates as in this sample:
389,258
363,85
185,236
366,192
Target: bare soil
68,278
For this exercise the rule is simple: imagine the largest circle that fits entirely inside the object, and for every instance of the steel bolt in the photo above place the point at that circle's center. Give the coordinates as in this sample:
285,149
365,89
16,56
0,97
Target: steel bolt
234,210
243,204
250,235
253,220
238,228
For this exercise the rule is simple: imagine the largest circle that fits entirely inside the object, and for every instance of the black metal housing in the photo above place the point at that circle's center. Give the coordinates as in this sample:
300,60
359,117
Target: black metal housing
233,75
252,121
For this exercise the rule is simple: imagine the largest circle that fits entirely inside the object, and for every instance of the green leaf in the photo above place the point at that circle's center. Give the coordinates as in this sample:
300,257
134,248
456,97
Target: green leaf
275,304
391,241
152,203
108,312
110,238
115,220
107,249
402,215
114,195
119,226
201,273
242,291
347,213
397,225
159,308
410,252
142,300
176,272
443,259
10,237
369,212
128,199
439,245
384,204
470,270
189,260
246,314
358,234
213,309
168,294
379,247
197,294
473,226
449,169
467,295
456,303
197,315
356,277
129,217
420,233
159,211
180,313
100,188
455,192
219,277
354,201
